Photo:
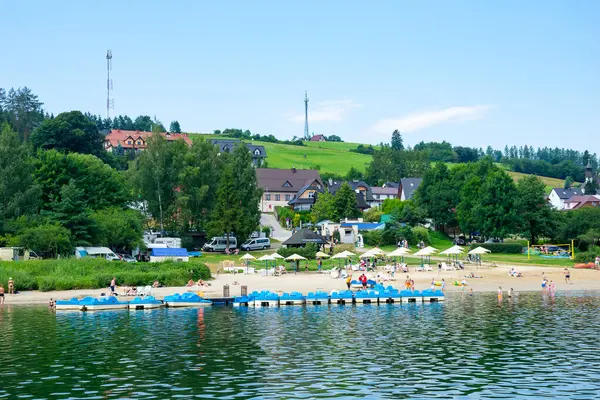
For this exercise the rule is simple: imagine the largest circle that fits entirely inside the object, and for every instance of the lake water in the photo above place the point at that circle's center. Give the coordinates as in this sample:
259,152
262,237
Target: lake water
471,347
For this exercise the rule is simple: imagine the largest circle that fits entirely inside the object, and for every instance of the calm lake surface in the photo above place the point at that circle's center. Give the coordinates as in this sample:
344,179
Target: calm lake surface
471,347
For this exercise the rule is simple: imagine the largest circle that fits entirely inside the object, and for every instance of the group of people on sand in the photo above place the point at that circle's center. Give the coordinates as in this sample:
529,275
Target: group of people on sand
200,283
11,290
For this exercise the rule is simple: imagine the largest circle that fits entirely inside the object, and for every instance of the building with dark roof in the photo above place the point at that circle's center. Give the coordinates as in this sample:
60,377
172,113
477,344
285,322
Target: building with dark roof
297,188
407,187
364,195
303,237
227,145
318,138
559,196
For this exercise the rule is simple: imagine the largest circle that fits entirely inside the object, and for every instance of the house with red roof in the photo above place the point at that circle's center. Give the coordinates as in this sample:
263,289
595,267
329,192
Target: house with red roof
136,140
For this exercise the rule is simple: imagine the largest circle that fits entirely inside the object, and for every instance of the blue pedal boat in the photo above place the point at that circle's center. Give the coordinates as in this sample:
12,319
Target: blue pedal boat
187,299
102,303
66,305
409,296
367,297
432,296
317,298
292,299
144,303
342,297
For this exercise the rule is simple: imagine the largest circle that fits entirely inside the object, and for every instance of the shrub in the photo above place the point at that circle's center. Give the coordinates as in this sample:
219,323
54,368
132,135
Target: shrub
421,234
587,256
502,248
266,230
374,238
308,251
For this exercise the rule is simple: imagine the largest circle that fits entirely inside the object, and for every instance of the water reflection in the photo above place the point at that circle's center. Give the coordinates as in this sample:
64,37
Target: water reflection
472,346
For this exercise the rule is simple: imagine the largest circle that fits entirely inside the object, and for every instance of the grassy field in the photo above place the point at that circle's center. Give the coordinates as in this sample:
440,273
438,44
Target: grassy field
549,182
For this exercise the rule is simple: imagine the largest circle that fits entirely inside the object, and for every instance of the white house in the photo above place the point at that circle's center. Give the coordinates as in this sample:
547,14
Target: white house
382,193
559,196
408,186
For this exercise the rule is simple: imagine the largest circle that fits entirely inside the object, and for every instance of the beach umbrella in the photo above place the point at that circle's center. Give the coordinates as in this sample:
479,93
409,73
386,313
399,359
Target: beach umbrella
247,258
266,258
479,251
425,252
452,251
340,256
297,258
399,252
348,253
276,255
320,254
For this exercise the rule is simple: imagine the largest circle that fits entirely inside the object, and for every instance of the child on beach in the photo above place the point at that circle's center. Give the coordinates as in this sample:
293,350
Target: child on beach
499,292
567,275
11,286
443,284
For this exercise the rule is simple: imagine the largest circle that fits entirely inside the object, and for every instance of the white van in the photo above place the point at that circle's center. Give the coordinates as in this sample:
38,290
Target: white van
220,244
256,244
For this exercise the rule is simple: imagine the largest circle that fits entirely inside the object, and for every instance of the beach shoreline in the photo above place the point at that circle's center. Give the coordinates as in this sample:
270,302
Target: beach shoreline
304,282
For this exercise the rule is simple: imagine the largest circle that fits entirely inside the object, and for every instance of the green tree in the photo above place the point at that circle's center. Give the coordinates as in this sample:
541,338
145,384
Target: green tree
373,214
22,109
71,212
118,228
143,123
236,209
47,240
18,193
568,182
438,197
324,208
198,181
155,177
397,143
345,202
590,187
174,127
536,217
69,132
102,186
353,174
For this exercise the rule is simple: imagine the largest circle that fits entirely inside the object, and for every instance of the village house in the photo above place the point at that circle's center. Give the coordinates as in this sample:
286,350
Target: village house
576,202
227,145
318,138
136,141
380,194
407,188
296,188
559,196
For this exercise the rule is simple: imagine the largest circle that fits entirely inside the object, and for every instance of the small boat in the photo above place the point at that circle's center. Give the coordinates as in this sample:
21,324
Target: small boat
367,297
589,265
432,296
102,303
187,299
409,296
317,298
266,299
65,305
342,297
390,296
144,303
292,299
243,301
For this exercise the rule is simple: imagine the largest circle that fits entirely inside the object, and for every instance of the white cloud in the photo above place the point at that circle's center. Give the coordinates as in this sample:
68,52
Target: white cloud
331,110
425,119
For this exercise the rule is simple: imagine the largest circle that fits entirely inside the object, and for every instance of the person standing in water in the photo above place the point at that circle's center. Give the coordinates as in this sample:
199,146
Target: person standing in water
1,295
499,292
11,286
510,292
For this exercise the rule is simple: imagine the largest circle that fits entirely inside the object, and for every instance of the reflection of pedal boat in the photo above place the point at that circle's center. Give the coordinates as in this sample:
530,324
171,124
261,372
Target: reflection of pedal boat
186,300
102,303
144,303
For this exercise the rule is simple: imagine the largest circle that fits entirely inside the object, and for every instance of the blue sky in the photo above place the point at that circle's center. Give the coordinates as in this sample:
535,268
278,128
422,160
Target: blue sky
470,72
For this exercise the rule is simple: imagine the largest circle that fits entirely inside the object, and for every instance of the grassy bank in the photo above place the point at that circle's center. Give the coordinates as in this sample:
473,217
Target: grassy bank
67,274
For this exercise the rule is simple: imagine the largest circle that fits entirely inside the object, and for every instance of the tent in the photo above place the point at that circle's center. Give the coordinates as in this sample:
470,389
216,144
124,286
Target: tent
303,237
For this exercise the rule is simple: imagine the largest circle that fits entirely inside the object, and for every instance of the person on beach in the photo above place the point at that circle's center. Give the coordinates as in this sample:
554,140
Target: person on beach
567,276
1,295
544,284
510,292
443,285
551,287
51,304
11,286
113,285
432,284
156,284
349,280
319,265
412,285
499,292
363,279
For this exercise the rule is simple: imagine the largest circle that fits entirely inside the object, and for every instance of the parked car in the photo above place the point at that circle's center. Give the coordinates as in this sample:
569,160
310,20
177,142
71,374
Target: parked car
493,240
256,244
220,244
112,257
127,258
460,240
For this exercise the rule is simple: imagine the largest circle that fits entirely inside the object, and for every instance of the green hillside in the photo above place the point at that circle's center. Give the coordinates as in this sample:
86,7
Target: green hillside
335,157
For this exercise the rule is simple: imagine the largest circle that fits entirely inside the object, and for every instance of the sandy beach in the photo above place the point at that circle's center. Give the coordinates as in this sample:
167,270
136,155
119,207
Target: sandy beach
305,282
